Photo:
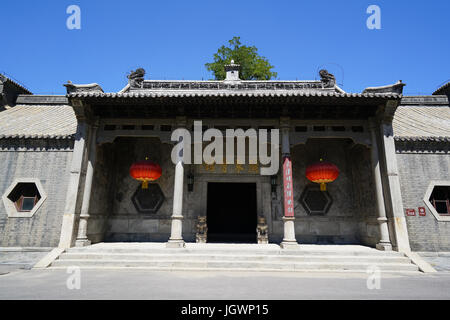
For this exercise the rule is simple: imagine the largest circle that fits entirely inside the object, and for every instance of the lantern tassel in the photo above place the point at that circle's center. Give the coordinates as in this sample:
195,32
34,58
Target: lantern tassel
145,184
323,186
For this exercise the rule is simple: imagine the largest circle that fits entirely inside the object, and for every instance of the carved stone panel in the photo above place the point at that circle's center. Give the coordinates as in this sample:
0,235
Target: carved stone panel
314,201
148,200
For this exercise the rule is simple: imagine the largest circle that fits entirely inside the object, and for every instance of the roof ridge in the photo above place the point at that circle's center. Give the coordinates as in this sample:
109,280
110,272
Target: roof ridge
7,78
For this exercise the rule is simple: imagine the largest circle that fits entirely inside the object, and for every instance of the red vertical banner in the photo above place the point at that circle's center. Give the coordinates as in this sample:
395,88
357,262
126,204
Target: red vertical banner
288,188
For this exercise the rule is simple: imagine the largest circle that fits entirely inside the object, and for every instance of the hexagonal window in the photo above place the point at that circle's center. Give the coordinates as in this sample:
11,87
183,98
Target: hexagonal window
148,200
23,198
315,202
440,200
25,195
437,199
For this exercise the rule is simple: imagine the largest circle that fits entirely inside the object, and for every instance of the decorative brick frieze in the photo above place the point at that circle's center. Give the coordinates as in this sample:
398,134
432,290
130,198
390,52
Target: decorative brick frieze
426,145
21,144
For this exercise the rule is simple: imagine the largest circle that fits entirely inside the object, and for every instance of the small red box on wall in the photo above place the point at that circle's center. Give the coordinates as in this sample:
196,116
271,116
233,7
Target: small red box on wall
422,211
410,212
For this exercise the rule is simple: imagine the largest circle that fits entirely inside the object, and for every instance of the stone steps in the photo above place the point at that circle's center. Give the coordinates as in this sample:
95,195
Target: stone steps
231,257
231,265
188,251
211,257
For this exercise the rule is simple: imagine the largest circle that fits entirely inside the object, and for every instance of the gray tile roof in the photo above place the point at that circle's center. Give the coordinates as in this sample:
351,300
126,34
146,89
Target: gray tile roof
411,122
5,79
422,123
38,121
445,89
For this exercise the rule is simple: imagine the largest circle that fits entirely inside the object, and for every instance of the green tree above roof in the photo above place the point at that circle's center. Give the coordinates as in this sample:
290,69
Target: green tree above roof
253,66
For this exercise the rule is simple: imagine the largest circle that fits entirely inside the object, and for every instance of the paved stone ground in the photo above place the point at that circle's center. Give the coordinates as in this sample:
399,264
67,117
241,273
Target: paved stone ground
20,258
142,284
438,260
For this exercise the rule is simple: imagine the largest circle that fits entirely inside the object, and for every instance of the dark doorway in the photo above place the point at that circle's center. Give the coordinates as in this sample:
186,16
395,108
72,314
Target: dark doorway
231,212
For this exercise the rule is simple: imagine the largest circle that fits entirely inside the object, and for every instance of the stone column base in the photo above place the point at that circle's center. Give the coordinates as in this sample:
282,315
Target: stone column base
176,244
82,242
384,246
289,245
176,237
289,241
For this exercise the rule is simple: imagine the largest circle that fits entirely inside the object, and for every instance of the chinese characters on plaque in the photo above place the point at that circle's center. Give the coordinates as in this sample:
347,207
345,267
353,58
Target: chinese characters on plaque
229,168
288,188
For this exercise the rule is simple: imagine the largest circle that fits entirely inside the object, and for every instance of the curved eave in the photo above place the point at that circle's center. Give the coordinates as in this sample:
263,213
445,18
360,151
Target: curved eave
81,95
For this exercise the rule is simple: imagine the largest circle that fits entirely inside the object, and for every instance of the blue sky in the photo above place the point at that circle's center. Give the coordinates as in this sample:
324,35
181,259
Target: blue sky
174,39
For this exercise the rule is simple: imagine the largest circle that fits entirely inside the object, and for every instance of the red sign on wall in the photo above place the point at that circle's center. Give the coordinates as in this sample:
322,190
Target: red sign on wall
410,212
288,188
422,211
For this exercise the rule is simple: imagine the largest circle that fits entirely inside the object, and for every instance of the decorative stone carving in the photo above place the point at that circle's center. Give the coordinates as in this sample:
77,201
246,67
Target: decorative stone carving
329,81
262,231
392,88
72,88
315,202
148,201
136,78
202,230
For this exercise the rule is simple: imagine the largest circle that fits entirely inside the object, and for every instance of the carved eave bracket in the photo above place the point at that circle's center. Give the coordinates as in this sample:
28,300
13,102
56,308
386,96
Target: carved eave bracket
386,112
83,111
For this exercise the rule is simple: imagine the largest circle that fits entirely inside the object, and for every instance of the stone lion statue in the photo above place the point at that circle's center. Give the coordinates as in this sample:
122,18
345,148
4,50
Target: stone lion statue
262,231
202,230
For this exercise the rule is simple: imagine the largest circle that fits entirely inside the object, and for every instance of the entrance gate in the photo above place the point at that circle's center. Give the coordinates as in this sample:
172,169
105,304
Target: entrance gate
231,212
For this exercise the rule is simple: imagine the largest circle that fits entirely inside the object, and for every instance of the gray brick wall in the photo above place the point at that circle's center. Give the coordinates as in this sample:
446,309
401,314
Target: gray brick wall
416,171
51,166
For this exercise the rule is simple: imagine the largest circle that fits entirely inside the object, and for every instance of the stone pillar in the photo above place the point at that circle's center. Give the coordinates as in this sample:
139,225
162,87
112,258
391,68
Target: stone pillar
385,243
82,239
289,240
176,233
68,224
394,192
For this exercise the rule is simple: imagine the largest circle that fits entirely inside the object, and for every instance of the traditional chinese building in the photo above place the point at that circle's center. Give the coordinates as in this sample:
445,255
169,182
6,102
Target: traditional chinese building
65,163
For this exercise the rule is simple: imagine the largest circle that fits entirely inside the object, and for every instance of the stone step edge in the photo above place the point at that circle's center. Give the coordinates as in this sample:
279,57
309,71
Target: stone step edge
175,269
288,257
80,261
237,252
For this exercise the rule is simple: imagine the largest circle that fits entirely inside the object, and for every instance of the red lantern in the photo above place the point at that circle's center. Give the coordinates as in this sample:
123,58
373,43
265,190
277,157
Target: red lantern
145,171
322,172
